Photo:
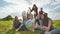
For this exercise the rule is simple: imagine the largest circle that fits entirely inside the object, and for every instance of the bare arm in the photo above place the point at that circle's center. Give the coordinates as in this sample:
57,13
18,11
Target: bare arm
49,26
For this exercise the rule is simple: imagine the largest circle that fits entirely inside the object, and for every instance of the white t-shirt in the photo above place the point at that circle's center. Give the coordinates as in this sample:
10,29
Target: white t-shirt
33,20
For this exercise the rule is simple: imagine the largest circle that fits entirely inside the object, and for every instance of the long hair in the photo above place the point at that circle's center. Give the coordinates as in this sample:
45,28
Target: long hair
45,20
35,7
16,19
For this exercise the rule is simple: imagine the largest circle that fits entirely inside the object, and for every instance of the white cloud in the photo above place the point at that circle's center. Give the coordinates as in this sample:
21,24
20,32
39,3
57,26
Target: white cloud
17,8
55,14
22,5
57,1
41,2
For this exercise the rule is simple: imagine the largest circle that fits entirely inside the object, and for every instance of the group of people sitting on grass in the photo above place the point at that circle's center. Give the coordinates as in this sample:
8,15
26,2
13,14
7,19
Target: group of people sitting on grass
39,20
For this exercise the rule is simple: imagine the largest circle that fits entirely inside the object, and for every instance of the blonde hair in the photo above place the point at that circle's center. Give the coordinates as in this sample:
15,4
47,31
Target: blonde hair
24,13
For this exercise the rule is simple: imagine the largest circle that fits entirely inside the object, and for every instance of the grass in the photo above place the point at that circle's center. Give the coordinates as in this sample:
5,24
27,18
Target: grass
56,23
6,28
22,32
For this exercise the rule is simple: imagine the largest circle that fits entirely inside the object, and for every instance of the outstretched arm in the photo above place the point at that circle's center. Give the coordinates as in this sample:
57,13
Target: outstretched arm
20,27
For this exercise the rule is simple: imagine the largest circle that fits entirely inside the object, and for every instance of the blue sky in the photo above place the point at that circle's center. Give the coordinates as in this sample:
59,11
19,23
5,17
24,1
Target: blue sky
15,7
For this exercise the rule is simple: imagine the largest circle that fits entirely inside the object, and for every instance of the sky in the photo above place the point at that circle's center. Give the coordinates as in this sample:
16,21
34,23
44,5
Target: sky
16,7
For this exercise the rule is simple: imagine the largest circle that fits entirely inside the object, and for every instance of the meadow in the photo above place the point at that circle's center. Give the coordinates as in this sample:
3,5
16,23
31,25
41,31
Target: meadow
6,28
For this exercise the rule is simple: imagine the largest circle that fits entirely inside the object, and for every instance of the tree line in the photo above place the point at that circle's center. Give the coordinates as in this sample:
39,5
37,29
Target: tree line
7,18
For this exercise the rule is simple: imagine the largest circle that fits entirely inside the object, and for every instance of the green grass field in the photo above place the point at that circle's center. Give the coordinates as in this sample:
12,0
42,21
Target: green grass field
6,28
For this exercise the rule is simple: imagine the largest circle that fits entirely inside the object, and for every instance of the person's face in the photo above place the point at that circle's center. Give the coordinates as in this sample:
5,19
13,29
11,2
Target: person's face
16,17
42,17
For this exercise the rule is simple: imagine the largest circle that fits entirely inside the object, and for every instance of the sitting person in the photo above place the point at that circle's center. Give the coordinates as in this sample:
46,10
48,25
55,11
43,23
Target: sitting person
54,31
16,23
29,23
24,16
46,24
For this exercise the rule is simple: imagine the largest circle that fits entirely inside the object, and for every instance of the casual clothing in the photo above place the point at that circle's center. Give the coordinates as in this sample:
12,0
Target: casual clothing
43,30
39,24
52,27
24,15
16,25
40,12
28,22
23,27
36,12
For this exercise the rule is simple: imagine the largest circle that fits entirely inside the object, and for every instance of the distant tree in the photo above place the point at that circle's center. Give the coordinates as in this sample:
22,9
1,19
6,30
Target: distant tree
9,17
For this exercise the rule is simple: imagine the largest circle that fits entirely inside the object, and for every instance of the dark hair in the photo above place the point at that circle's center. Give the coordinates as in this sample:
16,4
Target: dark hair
45,20
34,6
16,19
41,8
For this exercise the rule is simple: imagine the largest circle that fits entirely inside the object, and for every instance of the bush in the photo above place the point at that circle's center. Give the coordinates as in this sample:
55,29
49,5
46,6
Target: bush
9,17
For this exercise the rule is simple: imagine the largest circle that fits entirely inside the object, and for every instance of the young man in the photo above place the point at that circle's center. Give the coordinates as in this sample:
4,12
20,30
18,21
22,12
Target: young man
40,14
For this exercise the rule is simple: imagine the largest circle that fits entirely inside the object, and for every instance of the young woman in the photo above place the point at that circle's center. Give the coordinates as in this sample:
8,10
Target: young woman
29,23
46,24
35,9
16,23
24,16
